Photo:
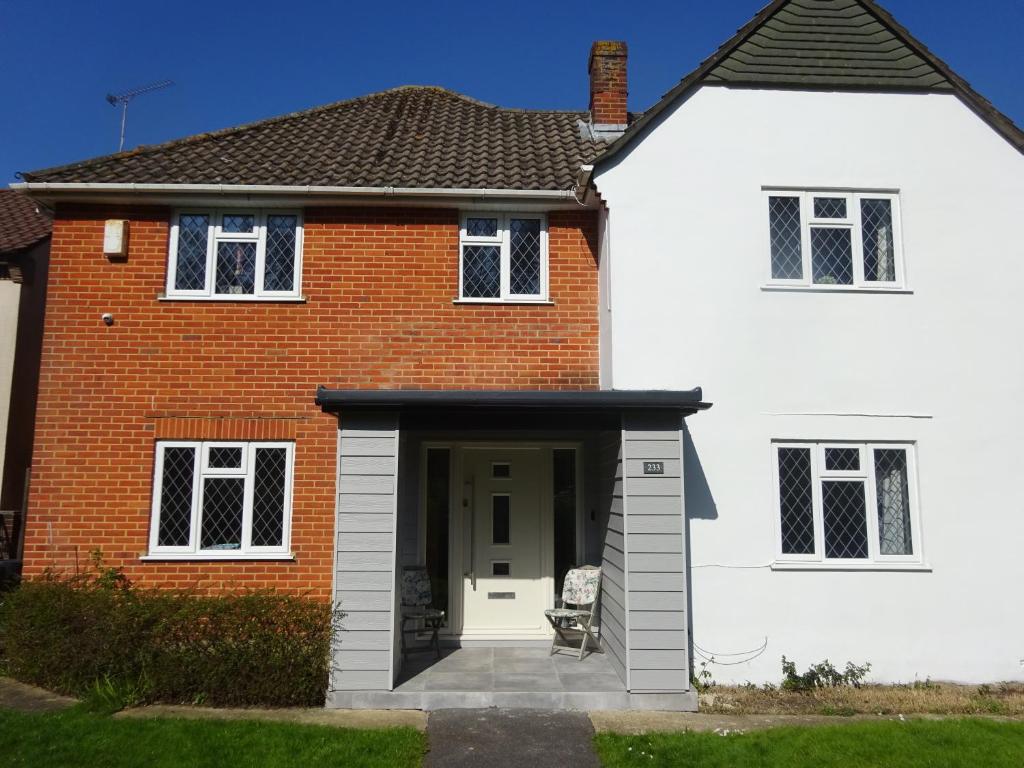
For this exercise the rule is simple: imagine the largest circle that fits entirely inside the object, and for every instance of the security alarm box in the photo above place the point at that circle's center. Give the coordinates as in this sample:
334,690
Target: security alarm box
115,238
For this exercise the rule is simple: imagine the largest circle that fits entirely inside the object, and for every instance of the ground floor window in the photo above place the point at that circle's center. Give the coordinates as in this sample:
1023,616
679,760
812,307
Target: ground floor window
222,499
846,502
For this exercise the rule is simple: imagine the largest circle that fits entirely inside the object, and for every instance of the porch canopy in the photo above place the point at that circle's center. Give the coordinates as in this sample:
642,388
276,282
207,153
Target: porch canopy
621,453
685,402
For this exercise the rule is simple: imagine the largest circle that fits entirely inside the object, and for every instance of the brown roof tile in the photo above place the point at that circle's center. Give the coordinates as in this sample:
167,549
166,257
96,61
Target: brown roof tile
21,223
413,136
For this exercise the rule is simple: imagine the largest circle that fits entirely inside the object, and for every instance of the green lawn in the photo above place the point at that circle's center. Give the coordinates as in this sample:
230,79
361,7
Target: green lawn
910,744
79,738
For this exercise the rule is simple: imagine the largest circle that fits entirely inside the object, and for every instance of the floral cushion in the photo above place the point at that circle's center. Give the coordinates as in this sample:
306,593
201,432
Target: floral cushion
566,613
581,586
416,587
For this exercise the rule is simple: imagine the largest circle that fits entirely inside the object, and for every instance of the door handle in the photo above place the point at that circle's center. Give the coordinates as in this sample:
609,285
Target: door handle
467,505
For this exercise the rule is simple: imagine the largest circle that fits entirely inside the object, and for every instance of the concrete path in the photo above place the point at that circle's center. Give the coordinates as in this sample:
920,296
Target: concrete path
28,698
338,718
509,738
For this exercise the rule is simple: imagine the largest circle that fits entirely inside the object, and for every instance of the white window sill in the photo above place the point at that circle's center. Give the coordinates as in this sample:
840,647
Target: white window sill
834,289
244,298
206,558
800,565
518,302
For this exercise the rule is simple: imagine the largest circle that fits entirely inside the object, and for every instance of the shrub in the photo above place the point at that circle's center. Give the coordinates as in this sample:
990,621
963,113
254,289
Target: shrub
99,637
822,675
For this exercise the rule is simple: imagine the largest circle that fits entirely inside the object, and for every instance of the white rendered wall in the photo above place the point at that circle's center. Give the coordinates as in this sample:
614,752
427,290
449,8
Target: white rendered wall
942,365
10,294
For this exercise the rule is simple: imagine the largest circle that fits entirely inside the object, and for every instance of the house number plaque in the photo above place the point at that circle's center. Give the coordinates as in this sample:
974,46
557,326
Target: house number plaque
654,467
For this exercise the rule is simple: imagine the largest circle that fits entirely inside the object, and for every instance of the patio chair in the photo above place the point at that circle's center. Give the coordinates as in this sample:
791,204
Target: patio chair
580,590
416,600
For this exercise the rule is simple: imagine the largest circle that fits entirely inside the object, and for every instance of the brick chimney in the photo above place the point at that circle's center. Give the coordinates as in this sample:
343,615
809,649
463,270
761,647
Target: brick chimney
608,86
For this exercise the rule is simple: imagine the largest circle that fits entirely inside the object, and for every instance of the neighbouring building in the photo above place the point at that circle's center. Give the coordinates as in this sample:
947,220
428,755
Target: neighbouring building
24,252
413,329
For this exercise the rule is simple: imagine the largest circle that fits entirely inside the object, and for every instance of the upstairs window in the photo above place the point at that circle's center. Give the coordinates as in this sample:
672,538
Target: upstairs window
235,254
841,503
834,239
221,499
503,257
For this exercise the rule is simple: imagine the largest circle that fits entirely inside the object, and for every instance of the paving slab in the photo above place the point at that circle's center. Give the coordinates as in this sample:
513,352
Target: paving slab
509,738
338,718
28,698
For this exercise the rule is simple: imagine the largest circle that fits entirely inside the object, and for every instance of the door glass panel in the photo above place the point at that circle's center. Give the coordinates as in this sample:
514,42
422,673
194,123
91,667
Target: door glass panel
564,475
501,518
436,533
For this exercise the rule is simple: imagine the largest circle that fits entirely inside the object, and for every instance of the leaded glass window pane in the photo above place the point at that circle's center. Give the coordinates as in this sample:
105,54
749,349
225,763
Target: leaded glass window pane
830,207
784,220
524,245
225,457
844,516
481,227
176,497
879,246
190,265
268,497
894,536
796,501
238,222
831,256
842,459
279,270
223,500
236,268
481,271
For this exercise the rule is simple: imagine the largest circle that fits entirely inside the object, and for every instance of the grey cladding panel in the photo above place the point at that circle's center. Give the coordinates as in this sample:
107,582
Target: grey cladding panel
364,640
655,547
365,552
359,680
368,446
659,680
364,600
366,504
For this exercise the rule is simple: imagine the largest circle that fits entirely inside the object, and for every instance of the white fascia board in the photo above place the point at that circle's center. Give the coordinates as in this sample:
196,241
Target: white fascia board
267,193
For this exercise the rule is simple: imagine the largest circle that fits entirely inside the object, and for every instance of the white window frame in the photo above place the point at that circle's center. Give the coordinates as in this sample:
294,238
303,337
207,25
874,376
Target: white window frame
852,222
216,235
503,240
201,472
866,474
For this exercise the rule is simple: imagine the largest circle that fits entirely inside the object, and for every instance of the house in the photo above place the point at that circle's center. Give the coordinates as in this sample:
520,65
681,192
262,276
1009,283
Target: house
24,252
790,226
415,329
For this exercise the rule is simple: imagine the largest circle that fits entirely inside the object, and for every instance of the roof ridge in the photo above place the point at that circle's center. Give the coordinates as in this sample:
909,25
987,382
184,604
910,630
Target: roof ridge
144,149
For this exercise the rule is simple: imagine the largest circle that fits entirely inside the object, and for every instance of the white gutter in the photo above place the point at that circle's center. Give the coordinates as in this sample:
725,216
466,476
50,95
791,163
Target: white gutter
282,189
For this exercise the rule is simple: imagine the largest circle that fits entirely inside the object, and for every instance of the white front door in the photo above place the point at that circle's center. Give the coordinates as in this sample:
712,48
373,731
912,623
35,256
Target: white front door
508,556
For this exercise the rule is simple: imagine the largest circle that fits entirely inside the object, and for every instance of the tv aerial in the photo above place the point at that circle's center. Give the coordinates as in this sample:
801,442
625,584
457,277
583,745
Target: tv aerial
123,99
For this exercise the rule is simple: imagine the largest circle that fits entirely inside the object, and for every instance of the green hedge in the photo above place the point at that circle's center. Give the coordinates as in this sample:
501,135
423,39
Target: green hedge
79,635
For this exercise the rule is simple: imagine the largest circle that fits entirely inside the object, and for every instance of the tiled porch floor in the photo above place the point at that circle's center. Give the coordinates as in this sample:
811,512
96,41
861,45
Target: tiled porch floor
507,677
500,670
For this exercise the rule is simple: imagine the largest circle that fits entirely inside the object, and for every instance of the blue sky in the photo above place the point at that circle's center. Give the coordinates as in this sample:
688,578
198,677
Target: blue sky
236,62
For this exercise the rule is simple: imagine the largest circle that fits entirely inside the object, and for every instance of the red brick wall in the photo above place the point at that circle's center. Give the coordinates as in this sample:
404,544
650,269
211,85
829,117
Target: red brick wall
379,284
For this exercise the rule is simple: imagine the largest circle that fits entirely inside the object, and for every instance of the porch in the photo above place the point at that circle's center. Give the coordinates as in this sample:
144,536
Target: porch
497,500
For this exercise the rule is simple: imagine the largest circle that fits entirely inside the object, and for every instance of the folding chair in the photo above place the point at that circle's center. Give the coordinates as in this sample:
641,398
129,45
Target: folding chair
581,589
416,600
